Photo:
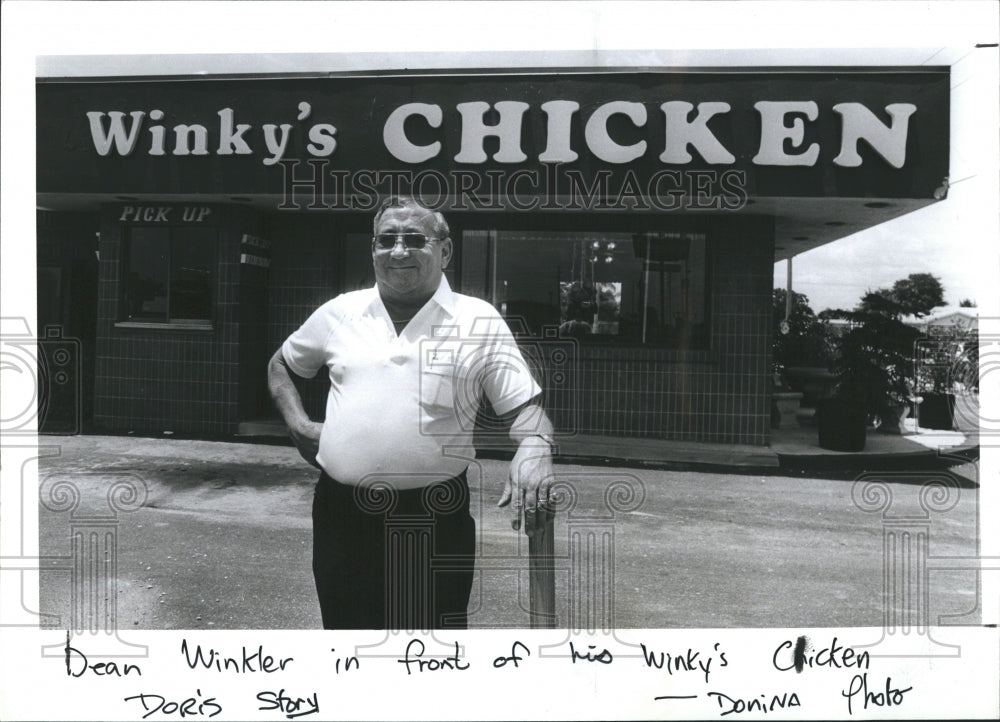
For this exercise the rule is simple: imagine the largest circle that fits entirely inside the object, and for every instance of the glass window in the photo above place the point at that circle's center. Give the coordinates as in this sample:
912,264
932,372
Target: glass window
613,287
169,273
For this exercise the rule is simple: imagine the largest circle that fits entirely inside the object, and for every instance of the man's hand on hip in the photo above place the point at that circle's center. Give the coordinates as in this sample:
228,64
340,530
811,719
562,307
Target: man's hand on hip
305,436
529,485
281,384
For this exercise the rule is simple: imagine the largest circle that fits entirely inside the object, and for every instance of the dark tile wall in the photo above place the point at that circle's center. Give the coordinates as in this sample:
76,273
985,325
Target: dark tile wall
65,235
253,348
717,395
66,308
207,382
306,272
184,381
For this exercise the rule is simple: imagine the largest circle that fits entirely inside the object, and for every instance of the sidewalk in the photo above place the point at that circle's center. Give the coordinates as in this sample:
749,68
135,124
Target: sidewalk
792,449
800,446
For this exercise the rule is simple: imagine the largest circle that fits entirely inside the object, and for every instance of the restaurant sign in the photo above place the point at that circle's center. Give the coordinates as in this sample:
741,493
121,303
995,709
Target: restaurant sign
713,138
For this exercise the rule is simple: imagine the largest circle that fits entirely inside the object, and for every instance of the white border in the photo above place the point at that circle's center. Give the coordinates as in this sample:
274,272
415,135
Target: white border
332,37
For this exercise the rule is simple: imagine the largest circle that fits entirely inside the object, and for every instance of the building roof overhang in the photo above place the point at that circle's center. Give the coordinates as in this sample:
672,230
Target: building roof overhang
801,223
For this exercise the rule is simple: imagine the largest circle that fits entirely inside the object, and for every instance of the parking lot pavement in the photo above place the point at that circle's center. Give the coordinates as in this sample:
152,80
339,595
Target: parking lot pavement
221,539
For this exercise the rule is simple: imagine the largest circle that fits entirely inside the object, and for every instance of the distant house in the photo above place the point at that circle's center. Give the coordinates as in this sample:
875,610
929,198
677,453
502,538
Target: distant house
839,326
944,319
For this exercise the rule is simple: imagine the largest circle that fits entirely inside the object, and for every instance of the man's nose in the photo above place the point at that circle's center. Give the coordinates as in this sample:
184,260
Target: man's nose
399,248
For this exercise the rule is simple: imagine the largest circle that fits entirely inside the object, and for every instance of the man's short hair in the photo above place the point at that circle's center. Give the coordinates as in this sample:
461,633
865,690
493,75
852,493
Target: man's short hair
441,230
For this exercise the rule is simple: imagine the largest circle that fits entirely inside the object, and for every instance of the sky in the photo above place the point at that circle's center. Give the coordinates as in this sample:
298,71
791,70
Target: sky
932,240
954,239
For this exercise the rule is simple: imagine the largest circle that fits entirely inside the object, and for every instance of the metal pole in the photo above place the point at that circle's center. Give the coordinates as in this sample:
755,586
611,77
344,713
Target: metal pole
645,291
788,291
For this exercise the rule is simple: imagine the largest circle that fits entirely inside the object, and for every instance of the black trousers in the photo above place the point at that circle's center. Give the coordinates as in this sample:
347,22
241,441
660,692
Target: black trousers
388,559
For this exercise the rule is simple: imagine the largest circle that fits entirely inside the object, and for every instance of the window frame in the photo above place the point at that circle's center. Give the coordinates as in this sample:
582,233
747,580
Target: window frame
167,322
610,223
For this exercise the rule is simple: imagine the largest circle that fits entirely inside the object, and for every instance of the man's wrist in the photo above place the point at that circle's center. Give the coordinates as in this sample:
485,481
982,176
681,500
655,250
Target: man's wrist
547,438
302,426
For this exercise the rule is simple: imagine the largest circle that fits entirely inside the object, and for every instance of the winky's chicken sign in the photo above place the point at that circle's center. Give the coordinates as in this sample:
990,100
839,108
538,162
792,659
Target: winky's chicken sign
803,134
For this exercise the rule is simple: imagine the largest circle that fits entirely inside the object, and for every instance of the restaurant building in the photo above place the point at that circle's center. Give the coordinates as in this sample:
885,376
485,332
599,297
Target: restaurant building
626,223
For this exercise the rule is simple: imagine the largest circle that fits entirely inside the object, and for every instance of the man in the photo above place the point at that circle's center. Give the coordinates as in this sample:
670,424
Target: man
408,362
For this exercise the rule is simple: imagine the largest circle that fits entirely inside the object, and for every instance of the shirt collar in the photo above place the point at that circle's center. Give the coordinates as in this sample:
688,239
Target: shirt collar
443,296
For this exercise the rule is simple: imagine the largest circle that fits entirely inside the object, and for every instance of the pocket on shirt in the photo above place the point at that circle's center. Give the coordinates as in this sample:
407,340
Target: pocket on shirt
437,391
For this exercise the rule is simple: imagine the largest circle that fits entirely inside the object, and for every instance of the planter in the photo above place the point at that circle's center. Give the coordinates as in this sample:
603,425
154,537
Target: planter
937,411
842,425
894,421
787,403
815,383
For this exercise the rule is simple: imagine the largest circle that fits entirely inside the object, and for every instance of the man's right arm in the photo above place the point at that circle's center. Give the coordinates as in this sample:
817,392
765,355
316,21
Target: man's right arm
304,432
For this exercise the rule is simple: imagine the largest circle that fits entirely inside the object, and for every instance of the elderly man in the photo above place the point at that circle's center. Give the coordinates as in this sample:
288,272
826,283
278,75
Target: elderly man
409,361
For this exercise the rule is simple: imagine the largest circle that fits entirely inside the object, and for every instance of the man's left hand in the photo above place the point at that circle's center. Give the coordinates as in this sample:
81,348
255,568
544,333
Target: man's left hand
529,485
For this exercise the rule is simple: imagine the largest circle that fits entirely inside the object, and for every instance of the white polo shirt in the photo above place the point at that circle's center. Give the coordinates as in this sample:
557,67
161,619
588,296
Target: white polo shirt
402,409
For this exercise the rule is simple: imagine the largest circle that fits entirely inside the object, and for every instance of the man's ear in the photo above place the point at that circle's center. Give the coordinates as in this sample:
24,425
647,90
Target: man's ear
446,251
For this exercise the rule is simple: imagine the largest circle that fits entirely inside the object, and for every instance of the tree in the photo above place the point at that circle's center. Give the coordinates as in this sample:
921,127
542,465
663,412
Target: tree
874,358
914,295
967,303
807,342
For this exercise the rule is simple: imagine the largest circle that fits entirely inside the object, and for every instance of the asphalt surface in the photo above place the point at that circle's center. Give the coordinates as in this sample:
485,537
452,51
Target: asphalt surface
220,538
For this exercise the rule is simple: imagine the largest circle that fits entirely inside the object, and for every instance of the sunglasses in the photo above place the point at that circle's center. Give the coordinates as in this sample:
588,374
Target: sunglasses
387,241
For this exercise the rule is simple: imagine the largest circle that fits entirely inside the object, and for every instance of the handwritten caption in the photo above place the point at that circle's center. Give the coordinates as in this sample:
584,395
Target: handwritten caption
693,673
